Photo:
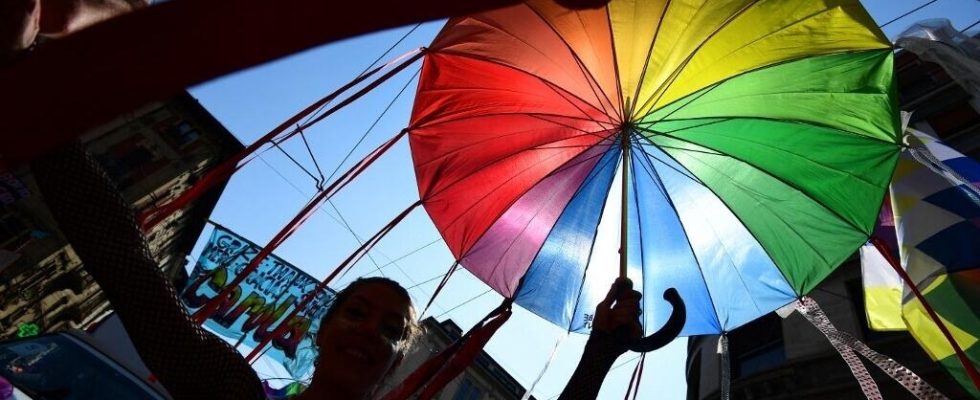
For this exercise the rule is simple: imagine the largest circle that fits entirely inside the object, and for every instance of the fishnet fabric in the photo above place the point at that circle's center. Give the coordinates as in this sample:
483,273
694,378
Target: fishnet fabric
845,343
189,361
598,357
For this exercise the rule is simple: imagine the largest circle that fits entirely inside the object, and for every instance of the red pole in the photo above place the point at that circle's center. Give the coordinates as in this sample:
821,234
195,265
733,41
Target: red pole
886,252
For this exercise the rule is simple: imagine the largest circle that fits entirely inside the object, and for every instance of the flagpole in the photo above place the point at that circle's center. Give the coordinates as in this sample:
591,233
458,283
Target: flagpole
886,252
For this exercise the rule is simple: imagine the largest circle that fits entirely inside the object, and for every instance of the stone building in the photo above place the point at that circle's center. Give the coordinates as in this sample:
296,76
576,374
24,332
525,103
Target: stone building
153,155
482,380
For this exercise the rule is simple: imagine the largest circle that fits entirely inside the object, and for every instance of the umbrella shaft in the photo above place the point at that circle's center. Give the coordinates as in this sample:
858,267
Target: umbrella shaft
624,213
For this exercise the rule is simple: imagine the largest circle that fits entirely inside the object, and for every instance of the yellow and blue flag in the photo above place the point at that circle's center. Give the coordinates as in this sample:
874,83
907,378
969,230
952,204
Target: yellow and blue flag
934,230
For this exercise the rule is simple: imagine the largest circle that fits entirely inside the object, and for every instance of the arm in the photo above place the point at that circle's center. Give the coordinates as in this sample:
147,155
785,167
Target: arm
187,360
614,326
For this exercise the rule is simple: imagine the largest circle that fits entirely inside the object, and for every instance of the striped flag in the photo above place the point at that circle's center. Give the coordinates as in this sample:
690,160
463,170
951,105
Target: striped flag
936,226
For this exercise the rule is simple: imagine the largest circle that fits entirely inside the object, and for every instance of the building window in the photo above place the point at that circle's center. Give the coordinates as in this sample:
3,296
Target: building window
468,391
130,161
182,133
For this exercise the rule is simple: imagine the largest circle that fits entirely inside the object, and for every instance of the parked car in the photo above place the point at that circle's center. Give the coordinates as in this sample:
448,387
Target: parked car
68,366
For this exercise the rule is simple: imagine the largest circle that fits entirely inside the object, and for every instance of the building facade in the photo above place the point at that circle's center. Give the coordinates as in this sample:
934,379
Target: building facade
153,154
482,380
776,358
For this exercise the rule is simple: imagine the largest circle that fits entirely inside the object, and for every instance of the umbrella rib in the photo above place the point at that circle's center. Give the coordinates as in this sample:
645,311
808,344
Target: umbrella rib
767,208
711,87
646,61
762,144
793,120
473,204
615,60
449,117
652,171
595,234
604,129
586,73
578,190
710,121
490,192
687,27
781,180
687,174
547,82
559,93
733,213
453,118
691,100
677,70
639,227
473,144
769,34
530,220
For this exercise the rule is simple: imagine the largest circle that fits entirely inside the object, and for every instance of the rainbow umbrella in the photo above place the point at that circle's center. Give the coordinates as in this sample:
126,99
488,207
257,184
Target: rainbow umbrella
758,137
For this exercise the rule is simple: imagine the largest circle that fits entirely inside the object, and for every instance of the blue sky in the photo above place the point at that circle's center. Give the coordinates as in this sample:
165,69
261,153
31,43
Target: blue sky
265,194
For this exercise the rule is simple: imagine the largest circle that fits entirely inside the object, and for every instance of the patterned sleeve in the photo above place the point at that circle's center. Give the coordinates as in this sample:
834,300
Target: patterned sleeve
189,361
601,351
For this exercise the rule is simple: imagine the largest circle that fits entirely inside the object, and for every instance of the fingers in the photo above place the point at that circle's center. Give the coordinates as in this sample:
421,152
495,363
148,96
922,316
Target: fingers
610,296
620,310
619,286
623,283
625,317
627,306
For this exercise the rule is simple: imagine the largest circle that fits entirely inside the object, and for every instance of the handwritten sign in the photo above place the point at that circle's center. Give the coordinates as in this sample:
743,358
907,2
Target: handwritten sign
260,303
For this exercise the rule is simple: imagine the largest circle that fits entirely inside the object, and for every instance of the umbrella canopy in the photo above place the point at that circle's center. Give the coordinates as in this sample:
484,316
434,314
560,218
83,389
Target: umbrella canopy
761,136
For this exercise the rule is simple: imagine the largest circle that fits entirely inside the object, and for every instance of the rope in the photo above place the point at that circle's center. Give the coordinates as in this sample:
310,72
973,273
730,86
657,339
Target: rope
635,378
547,364
211,307
375,62
224,170
442,284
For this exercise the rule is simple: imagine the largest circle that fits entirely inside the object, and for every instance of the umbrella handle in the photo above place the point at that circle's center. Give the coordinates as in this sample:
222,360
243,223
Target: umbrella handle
669,331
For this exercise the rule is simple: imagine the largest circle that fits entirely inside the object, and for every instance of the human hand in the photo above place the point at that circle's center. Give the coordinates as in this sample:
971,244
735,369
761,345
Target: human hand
63,17
619,313
18,25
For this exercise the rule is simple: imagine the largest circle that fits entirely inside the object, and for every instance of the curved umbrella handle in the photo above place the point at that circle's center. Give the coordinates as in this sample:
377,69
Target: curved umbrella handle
669,331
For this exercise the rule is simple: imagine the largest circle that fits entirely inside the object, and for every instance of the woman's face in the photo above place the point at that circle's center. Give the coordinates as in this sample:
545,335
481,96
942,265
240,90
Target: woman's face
359,344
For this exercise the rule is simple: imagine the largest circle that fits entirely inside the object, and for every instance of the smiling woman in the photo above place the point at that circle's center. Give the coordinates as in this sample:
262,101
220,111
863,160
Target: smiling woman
365,335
